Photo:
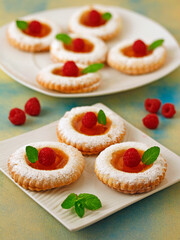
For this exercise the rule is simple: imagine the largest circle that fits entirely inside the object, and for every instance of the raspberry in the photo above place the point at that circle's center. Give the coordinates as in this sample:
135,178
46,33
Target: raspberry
94,18
152,105
139,47
168,110
35,27
17,116
78,44
131,157
32,107
89,120
70,69
46,156
151,121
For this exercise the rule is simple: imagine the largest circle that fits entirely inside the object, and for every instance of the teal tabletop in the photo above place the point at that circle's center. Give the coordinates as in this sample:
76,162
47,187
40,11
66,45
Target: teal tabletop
155,217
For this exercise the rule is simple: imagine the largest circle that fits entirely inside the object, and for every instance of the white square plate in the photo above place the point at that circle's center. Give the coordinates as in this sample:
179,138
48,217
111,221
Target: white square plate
23,67
112,201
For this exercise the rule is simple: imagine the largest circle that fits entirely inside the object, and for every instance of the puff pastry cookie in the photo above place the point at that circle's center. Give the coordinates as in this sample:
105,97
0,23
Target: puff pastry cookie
95,51
70,130
143,178
121,57
67,168
50,77
80,22
23,40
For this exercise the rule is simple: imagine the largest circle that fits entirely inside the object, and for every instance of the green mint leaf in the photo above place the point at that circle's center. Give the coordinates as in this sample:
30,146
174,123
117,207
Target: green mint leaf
32,154
101,117
64,38
93,68
91,201
155,44
69,201
150,155
21,24
107,16
79,208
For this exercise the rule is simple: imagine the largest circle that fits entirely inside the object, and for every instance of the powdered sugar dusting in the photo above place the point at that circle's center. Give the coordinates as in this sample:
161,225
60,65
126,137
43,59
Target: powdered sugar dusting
66,128
84,80
109,28
16,34
115,55
104,166
98,54
18,163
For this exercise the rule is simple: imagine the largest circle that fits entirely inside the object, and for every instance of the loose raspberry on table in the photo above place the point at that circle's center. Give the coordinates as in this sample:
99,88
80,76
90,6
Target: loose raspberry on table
17,116
94,18
152,105
35,27
70,69
139,47
131,157
89,120
78,44
33,107
168,110
151,121
46,156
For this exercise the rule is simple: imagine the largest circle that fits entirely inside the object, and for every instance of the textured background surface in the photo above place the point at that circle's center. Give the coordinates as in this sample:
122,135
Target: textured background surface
156,217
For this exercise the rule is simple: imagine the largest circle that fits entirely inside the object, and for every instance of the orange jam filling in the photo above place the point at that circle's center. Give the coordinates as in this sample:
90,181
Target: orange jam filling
59,71
118,163
98,129
88,47
45,30
129,52
85,21
60,161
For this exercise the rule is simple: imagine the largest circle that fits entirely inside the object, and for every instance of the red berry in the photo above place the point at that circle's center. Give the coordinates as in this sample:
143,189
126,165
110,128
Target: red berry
152,105
46,156
139,47
35,27
89,120
168,110
78,44
151,121
131,157
32,107
17,116
70,69
94,18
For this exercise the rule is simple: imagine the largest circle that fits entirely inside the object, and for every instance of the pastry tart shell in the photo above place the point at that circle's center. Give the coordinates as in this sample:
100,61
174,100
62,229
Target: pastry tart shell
84,83
133,65
97,55
125,182
106,32
90,145
29,43
38,180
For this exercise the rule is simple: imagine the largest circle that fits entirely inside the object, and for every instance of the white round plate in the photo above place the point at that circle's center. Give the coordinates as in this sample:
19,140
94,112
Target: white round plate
23,67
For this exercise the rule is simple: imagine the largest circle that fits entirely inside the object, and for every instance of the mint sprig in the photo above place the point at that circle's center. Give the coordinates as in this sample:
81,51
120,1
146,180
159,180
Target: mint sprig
101,117
155,44
32,154
91,201
21,24
69,201
93,68
64,38
107,16
84,200
150,155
